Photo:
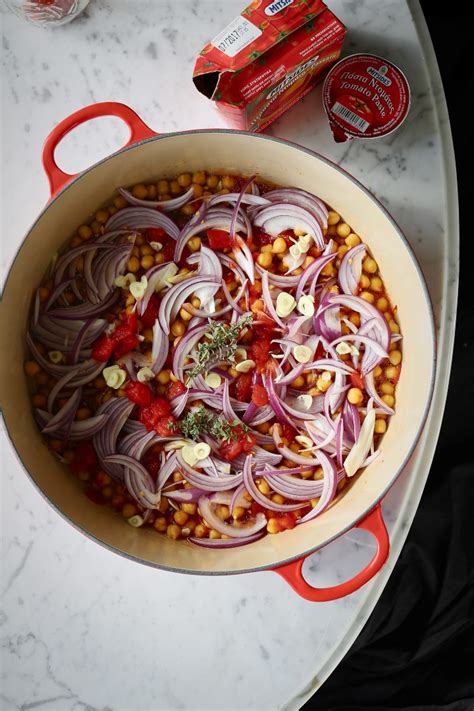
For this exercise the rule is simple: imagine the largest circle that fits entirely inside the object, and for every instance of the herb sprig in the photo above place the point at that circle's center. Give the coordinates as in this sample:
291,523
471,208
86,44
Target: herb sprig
201,421
221,344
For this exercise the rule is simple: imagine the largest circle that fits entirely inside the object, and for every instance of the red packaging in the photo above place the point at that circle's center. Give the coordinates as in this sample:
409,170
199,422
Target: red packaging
365,96
267,59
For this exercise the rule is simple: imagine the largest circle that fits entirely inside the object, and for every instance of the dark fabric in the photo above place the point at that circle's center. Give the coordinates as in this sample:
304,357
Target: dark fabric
416,652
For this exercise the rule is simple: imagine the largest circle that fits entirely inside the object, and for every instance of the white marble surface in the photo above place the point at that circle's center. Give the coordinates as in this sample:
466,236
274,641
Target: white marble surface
81,628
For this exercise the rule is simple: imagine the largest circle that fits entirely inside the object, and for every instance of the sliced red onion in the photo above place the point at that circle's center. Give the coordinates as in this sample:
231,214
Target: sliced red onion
160,348
350,415
312,272
350,269
267,298
234,302
65,260
281,216
292,456
98,325
302,198
221,543
372,392
284,282
83,373
245,199
205,482
165,205
86,310
264,414
186,344
322,433
275,402
138,218
256,494
137,480
153,276
329,489
173,300
62,382
215,218
185,495
63,418
243,257
232,265
117,410
331,364
85,429
339,440
292,375
368,342
209,266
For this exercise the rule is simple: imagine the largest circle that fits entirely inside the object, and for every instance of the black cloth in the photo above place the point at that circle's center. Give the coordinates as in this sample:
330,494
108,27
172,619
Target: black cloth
416,651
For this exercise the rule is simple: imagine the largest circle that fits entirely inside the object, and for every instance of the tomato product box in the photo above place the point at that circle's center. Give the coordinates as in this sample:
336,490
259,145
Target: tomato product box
268,58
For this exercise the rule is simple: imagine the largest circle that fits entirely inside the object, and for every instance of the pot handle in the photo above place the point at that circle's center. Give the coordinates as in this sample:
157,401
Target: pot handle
292,572
138,131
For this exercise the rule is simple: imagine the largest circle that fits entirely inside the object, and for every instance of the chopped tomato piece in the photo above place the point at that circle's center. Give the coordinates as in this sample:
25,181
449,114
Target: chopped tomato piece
151,414
243,387
288,433
126,344
127,328
289,237
168,250
85,458
219,239
357,381
139,393
166,426
230,450
259,395
152,463
256,508
260,351
175,389
156,234
285,520
260,237
247,442
103,348
151,312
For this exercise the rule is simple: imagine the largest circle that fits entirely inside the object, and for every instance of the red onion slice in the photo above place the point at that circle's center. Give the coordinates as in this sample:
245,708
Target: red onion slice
302,198
165,205
260,498
312,272
329,489
139,218
177,295
350,269
221,543
372,392
65,415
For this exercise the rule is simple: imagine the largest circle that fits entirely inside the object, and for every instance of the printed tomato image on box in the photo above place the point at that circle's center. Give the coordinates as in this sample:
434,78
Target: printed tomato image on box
268,58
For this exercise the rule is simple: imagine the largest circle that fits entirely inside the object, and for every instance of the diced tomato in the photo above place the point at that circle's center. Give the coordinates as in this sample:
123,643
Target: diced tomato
151,312
127,328
256,508
102,479
230,450
103,348
85,458
175,389
152,463
139,393
125,345
357,381
288,433
219,239
168,250
285,520
243,387
260,237
260,351
247,441
259,395
166,426
152,413
289,237
156,234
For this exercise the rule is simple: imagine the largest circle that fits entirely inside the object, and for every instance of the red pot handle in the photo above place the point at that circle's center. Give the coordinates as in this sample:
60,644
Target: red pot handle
291,572
138,131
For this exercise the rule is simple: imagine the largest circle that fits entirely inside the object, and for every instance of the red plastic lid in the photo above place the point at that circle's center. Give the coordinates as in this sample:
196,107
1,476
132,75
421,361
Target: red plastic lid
365,96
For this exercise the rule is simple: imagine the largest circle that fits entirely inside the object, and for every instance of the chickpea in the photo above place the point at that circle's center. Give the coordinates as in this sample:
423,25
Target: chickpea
388,400
129,510
395,357
39,400
146,250
382,303
200,531
140,191
139,240
263,486
391,372
194,243
263,428
342,250
387,388
394,327
199,177
279,246
223,512
159,258
318,474
102,216
84,232
369,265
272,525
278,499
331,231
189,508
364,281
43,378
197,190
265,260
75,242
175,188
180,517
367,296
376,284
163,187
32,368
355,318
377,371
343,230
120,202
173,531
147,262
298,382
159,524
178,328
306,474
135,251
147,334
184,314
355,396
43,294
238,512
228,182
212,181
233,372
163,505
323,384
333,218
257,306
352,240
196,302
184,180
163,377
188,209
133,265
308,260
266,248
83,413
328,270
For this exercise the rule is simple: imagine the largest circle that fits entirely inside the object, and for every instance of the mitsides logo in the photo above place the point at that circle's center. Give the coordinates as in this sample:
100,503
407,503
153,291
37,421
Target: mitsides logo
380,75
277,6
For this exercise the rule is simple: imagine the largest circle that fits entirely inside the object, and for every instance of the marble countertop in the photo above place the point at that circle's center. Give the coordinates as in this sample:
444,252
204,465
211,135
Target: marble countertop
81,628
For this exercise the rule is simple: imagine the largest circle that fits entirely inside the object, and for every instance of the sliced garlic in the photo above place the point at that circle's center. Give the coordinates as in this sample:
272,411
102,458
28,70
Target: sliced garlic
164,274
176,444
305,441
343,348
245,366
138,288
306,305
135,521
299,232
360,450
156,246
240,355
56,357
186,274
213,380
295,251
304,243
305,401
125,280
326,375
202,450
189,455
285,304
302,354
114,376
145,374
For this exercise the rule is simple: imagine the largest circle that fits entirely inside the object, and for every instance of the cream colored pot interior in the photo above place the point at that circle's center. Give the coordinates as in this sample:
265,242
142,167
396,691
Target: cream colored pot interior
287,166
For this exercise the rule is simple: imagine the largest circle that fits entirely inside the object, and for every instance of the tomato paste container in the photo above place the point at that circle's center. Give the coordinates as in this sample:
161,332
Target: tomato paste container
268,58
365,96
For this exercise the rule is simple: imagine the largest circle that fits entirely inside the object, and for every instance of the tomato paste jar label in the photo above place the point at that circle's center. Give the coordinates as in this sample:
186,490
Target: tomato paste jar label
365,96
267,59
